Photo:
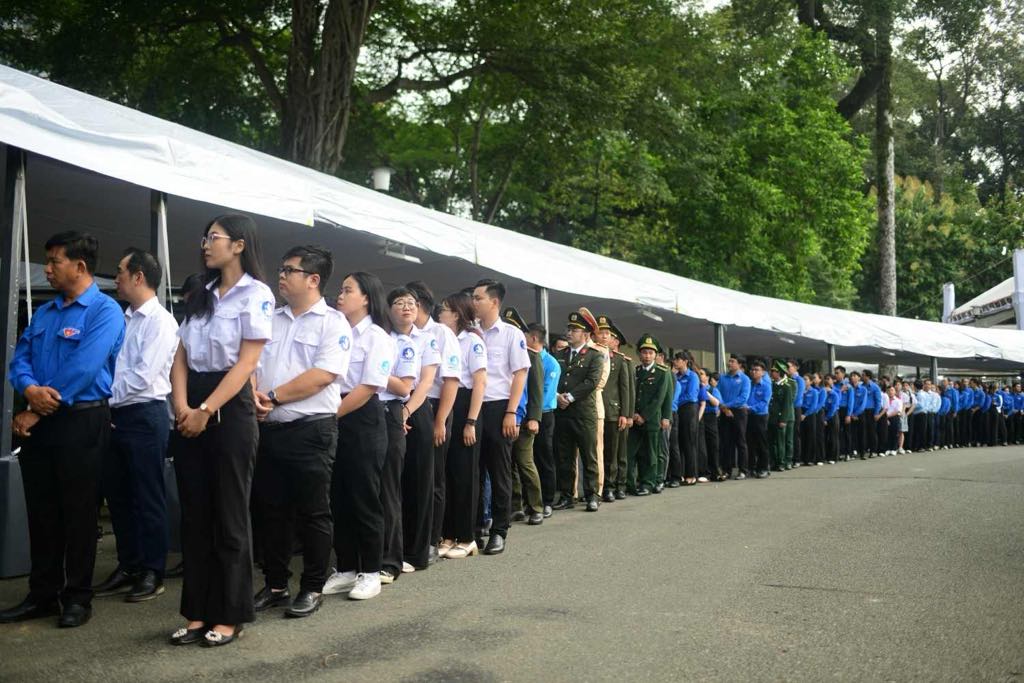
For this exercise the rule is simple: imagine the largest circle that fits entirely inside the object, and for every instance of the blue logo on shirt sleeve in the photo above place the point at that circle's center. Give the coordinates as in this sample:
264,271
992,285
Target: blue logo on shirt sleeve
453,362
478,349
408,353
433,344
385,365
267,307
522,343
344,342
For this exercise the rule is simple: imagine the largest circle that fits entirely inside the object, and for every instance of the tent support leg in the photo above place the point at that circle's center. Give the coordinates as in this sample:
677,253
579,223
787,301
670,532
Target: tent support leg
935,370
158,243
719,348
12,182
541,301
830,363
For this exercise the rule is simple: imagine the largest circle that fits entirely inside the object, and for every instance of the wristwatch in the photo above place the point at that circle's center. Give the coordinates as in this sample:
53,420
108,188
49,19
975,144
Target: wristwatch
206,409
272,395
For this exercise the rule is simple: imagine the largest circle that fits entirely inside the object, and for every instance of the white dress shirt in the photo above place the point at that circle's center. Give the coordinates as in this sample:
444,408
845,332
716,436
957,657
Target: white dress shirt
429,352
373,354
474,357
448,352
506,354
406,364
212,343
142,371
320,338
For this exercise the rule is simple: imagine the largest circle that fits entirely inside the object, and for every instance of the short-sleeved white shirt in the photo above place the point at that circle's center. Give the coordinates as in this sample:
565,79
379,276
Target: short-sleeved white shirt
373,355
212,342
406,364
320,338
506,353
142,372
474,357
429,350
450,355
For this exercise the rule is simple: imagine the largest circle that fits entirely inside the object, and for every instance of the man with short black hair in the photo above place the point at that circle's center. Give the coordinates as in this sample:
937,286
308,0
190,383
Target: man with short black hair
133,468
544,445
757,426
64,366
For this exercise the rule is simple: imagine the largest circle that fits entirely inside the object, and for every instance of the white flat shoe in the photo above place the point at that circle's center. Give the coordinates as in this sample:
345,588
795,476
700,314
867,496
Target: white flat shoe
463,550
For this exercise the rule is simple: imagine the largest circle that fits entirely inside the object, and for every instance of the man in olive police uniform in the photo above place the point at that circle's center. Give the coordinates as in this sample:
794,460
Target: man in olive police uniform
525,477
617,410
576,417
652,413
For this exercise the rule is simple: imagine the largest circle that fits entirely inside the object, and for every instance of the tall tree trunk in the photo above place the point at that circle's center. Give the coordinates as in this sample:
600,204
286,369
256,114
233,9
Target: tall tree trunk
885,175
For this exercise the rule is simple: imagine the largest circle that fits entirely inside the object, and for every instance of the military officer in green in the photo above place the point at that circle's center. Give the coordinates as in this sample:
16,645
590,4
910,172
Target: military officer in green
780,418
629,406
576,415
525,478
617,410
652,413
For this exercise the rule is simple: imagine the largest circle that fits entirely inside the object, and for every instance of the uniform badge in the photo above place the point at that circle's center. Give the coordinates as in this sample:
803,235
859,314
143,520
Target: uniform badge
408,353
344,342
453,362
433,344
69,332
522,343
385,365
268,308
478,349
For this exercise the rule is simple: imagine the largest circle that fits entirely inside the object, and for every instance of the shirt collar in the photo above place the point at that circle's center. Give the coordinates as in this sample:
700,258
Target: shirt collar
319,308
145,309
242,283
498,324
86,297
363,325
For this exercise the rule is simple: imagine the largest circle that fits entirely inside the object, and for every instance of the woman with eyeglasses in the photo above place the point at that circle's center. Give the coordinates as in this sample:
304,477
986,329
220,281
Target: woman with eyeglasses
461,471
362,441
226,325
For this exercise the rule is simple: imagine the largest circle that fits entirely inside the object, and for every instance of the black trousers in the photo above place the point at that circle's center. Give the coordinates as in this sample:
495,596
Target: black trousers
133,484
710,427
856,430
391,488
674,468
733,431
355,489
291,490
757,437
462,485
980,427
496,462
919,428
818,425
948,422
798,412
844,433
702,451
833,436
214,473
60,470
440,458
544,457
418,487
807,445
964,418
870,431
893,438
688,426
881,434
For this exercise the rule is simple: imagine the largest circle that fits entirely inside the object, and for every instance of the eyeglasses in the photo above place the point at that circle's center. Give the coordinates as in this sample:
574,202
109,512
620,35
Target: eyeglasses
207,240
404,303
288,270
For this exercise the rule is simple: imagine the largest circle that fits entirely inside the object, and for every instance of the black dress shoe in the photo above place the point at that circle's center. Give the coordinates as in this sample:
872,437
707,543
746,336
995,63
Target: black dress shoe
518,516
642,491
673,484
620,494
176,571
608,496
74,615
147,586
593,504
119,581
564,503
305,604
267,598
762,474
187,636
535,519
214,639
548,511
495,545
29,609
658,488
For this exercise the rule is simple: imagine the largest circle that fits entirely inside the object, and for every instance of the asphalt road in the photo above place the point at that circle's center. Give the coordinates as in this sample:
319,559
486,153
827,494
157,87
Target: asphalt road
903,568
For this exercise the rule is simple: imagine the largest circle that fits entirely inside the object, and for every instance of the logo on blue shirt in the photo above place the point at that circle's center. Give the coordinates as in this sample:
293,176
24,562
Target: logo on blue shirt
408,353
70,332
344,342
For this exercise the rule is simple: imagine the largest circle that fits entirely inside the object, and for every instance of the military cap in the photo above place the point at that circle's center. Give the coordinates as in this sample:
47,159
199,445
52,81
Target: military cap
578,320
780,366
648,342
617,332
605,323
512,317
585,312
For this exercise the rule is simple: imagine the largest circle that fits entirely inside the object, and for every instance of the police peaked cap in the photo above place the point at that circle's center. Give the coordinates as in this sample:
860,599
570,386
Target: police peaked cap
512,317
578,320
647,341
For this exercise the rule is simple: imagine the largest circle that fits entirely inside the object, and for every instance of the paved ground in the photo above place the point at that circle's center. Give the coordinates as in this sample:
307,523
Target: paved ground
905,568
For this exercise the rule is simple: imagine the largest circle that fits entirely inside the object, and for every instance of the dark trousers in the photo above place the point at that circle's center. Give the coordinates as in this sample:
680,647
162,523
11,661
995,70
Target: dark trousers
881,434
133,484
291,490
496,462
919,429
710,424
807,444
964,418
832,438
798,412
391,488
980,427
462,485
60,469
688,426
870,426
734,440
355,489
757,437
948,422
856,430
819,436
440,467
418,487
844,433
576,433
675,459
544,457
214,474
702,451
893,438
612,442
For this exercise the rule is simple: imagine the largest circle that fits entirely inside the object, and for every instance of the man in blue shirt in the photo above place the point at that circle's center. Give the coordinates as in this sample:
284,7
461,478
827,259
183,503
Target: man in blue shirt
757,425
855,411
1018,415
735,389
966,414
842,384
873,413
831,419
949,390
64,366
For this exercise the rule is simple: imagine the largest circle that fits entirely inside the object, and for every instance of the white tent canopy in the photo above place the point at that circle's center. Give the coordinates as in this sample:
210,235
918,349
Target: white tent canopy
92,165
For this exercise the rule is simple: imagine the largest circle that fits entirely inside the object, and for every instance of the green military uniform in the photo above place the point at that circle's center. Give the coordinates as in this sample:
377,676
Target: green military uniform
616,405
622,482
653,403
780,420
525,478
576,424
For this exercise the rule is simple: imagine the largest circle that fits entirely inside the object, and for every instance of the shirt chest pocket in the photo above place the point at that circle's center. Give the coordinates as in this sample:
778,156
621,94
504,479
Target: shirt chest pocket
69,335
304,349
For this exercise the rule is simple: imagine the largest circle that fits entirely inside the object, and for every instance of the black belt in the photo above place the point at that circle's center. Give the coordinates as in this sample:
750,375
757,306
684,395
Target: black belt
84,405
304,418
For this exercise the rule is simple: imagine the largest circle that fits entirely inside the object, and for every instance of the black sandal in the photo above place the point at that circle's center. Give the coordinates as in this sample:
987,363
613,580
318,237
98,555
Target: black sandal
216,639
187,636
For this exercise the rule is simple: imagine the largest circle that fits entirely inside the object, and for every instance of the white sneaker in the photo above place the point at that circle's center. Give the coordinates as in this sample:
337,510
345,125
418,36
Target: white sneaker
901,452
407,568
367,586
340,582
386,577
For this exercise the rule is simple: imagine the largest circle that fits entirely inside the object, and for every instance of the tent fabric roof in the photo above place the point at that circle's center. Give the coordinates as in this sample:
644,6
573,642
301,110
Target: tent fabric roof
88,133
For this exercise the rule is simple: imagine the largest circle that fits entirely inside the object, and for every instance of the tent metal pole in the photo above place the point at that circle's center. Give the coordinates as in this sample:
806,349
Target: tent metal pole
830,364
12,180
541,301
158,243
719,348
935,370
